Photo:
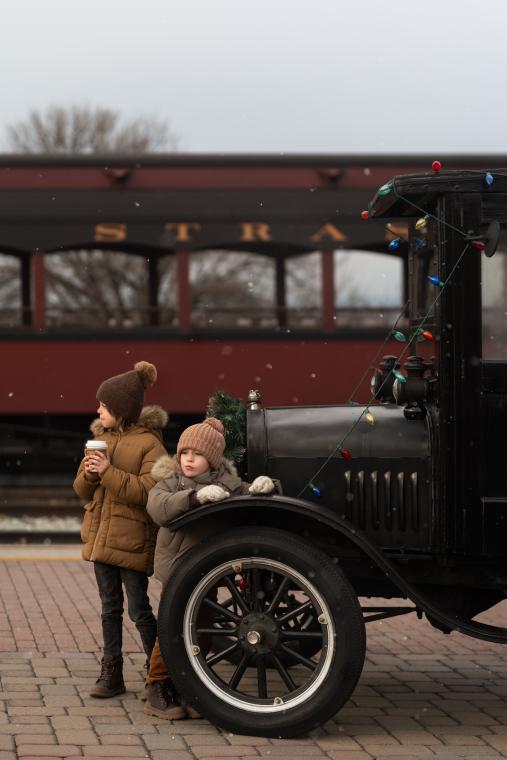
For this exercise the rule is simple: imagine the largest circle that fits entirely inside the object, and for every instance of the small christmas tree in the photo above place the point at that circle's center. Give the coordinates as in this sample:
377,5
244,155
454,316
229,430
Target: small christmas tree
232,414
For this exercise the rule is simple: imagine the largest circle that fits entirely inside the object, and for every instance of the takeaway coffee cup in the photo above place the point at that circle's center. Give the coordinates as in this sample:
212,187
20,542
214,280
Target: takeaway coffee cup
92,446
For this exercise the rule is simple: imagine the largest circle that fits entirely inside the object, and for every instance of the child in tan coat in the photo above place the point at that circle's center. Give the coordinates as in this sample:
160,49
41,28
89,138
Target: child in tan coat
199,474
118,534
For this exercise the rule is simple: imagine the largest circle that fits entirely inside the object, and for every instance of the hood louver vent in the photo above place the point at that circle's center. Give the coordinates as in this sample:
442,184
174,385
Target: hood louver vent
382,500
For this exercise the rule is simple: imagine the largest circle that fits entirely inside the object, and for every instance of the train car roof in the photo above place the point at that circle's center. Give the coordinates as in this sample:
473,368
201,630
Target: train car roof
139,160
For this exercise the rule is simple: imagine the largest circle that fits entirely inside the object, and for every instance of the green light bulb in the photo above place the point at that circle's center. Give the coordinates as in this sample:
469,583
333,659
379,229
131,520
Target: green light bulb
385,189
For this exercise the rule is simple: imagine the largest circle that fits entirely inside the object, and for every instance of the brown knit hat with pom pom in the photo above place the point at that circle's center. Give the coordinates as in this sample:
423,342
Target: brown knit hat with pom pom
124,394
207,438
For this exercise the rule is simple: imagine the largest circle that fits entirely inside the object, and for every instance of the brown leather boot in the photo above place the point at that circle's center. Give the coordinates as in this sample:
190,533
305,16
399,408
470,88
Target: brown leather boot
191,712
163,701
110,682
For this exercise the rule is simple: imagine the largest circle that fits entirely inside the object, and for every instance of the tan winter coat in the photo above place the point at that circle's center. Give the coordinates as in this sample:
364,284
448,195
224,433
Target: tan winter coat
116,527
173,496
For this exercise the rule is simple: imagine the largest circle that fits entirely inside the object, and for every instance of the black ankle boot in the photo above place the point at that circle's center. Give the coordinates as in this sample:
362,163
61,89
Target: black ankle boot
110,682
163,701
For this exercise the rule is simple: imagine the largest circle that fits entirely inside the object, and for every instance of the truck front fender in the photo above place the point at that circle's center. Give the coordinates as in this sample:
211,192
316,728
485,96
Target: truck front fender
338,524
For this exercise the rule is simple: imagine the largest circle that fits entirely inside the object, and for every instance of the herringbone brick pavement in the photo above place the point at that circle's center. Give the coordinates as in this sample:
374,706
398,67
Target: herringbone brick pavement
422,694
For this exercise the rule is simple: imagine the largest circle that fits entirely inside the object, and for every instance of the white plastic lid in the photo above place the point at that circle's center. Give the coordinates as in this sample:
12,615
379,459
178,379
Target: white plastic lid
95,445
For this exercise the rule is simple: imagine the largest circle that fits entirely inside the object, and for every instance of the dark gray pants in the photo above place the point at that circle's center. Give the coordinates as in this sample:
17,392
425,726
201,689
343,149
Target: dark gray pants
110,581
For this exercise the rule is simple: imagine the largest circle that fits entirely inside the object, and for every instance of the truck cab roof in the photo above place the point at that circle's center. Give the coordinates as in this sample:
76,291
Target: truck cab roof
403,195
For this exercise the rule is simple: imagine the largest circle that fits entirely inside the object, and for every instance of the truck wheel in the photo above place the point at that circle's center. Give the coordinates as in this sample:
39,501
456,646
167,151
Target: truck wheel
307,646
256,589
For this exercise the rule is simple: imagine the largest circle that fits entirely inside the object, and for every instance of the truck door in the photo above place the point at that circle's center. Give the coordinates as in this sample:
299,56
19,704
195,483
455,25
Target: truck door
493,402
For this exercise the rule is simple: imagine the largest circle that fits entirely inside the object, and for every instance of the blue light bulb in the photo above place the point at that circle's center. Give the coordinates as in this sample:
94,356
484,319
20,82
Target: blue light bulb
315,490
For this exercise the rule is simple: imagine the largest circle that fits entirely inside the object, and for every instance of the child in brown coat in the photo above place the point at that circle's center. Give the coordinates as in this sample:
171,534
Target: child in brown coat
118,534
199,474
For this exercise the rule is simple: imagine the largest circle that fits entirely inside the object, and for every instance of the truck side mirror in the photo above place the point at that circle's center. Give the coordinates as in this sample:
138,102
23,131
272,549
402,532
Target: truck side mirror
491,237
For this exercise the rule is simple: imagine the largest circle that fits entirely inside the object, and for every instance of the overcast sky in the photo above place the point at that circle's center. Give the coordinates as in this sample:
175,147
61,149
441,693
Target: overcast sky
270,75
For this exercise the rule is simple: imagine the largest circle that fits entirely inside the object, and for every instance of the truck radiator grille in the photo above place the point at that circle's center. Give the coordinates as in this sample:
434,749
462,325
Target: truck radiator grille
382,500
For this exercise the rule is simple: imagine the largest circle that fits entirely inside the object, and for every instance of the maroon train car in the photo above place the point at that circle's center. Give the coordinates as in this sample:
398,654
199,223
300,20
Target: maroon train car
69,224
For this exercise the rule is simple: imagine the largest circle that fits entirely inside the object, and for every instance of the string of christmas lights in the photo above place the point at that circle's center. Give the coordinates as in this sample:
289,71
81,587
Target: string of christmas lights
366,412
392,330
373,361
419,331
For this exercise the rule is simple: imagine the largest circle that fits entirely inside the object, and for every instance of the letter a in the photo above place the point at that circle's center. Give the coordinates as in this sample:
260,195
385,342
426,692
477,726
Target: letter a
329,231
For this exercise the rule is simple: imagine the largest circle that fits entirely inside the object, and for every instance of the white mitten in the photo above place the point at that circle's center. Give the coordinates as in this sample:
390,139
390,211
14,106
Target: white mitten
211,493
262,484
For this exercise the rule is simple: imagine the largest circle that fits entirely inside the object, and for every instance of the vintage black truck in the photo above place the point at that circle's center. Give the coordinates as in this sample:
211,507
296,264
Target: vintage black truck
405,497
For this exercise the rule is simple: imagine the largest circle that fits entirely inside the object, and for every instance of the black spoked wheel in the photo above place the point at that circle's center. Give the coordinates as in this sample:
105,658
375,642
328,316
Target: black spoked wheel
298,628
262,632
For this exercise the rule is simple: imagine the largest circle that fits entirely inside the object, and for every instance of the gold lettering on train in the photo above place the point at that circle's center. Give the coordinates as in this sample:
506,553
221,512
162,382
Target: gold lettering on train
329,231
108,232
252,231
183,230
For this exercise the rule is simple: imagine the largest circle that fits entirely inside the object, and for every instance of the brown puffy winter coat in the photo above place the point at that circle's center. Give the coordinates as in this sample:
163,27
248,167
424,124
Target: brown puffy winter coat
116,527
173,496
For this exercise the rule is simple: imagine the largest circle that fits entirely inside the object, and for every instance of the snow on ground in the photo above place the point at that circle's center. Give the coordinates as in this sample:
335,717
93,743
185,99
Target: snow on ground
46,525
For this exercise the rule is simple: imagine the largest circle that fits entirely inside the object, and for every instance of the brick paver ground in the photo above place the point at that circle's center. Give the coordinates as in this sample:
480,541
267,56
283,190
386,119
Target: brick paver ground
422,694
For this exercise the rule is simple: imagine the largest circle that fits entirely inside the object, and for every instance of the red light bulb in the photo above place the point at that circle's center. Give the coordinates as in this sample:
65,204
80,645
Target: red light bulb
364,214
346,454
479,245
436,166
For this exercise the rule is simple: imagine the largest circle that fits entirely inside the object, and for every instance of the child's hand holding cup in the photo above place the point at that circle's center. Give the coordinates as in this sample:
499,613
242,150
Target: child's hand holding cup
91,448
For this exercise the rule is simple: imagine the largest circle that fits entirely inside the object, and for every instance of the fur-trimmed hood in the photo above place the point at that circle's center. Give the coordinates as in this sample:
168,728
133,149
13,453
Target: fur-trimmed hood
152,418
167,465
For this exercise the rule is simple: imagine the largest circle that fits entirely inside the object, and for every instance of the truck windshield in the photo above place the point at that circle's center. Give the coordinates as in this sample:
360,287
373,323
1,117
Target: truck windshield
494,302
422,264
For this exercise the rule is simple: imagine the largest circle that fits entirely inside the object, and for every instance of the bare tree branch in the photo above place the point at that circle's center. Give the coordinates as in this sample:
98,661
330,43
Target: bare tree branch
101,285
82,129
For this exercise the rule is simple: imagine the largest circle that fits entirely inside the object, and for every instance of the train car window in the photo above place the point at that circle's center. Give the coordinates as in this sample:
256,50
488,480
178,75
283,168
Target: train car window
368,288
10,291
107,289
494,302
168,291
232,289
303,290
